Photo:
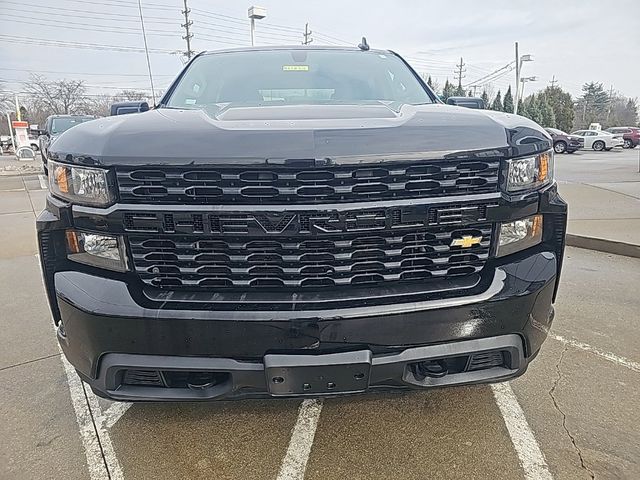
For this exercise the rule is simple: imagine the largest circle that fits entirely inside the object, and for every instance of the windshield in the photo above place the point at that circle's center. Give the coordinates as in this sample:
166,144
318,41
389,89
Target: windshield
59,125
282,77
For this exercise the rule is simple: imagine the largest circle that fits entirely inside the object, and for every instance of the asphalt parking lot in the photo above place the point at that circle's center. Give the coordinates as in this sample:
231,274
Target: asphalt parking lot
572,415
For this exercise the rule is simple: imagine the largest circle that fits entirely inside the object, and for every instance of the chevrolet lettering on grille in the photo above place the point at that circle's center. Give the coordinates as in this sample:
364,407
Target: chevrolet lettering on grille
284,223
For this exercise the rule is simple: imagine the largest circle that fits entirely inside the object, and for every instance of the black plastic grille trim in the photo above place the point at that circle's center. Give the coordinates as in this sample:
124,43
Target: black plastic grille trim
183,261
335,184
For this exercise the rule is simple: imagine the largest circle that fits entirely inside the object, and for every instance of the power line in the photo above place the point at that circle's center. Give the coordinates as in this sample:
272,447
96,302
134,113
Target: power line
123,4
84,73
79,45
90,27
97,16
331,37
233,30
508,67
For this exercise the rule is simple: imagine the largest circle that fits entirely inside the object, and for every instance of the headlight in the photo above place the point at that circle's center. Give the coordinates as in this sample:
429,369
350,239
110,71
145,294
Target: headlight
518,235
529,172
82,185
104,251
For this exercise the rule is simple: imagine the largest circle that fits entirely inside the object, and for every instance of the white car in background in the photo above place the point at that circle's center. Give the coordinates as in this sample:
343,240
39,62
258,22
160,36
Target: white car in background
600,140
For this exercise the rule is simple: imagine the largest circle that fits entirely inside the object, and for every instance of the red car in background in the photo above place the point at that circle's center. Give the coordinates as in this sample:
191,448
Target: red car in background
630,135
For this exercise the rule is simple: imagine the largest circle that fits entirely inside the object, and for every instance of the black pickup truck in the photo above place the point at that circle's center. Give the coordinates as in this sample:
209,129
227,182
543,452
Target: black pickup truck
300,221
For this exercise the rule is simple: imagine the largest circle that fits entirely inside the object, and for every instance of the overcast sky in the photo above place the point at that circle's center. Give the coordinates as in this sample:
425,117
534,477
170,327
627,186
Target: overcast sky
575,41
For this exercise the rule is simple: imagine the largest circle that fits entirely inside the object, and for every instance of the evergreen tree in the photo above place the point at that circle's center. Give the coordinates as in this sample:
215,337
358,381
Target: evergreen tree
470,93
508,101
562,105
593,105
533,109
485,98
460,91
448,90
430,82
546,113
497,103
521,108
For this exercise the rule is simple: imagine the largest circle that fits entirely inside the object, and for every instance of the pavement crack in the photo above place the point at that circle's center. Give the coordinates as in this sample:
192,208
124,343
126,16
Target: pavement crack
95,429
26,362
564,416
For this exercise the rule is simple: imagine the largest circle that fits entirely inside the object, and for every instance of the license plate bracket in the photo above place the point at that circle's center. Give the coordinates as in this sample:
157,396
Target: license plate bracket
327,374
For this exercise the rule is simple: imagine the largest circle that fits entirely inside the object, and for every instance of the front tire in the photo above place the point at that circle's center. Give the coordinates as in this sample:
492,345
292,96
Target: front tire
560,147
598,146
627,144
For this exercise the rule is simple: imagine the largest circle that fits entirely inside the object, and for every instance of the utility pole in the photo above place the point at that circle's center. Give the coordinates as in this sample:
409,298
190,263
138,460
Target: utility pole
459,71
307,35
187,24
610,102
515,104
553,81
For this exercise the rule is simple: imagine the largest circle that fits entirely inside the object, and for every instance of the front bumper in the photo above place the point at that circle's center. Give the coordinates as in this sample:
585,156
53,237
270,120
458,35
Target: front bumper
313,375
104,331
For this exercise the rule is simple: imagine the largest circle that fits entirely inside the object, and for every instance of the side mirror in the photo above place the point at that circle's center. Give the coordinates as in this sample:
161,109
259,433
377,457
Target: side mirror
124,108
469,102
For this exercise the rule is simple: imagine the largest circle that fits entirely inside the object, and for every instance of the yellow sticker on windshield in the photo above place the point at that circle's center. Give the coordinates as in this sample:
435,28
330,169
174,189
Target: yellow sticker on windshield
295,68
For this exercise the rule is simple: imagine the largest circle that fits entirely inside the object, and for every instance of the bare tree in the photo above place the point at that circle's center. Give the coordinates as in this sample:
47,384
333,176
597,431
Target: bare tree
132,95
6,100
58,96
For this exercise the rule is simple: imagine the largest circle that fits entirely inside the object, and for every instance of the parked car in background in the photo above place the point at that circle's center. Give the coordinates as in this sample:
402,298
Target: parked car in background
34,143
599,139
563,142
54,126
630,135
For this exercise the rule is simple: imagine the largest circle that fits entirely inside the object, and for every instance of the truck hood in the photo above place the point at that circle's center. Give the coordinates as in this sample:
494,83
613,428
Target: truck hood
255,134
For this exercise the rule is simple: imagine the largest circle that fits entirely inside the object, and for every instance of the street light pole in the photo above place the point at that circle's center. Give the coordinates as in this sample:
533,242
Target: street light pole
519,61
515,104
525,80
255,13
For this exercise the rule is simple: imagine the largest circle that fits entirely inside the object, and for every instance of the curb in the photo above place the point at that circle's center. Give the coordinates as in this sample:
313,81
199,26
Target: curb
603,245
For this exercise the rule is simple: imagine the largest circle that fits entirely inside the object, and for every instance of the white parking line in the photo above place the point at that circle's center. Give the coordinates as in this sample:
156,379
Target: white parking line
102,462
92,450
295,460
114,413
612,357
43,182
108,453
526,446
101,458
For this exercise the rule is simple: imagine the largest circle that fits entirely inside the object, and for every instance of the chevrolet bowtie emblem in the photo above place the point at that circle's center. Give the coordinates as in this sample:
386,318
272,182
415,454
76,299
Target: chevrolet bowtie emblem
466,241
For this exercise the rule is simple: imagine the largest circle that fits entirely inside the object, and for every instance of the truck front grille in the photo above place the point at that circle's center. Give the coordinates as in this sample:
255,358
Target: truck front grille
351,258
306,185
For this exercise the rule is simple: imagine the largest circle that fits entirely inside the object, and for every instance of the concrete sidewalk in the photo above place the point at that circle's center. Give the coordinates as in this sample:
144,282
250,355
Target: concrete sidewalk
10,165
604,216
